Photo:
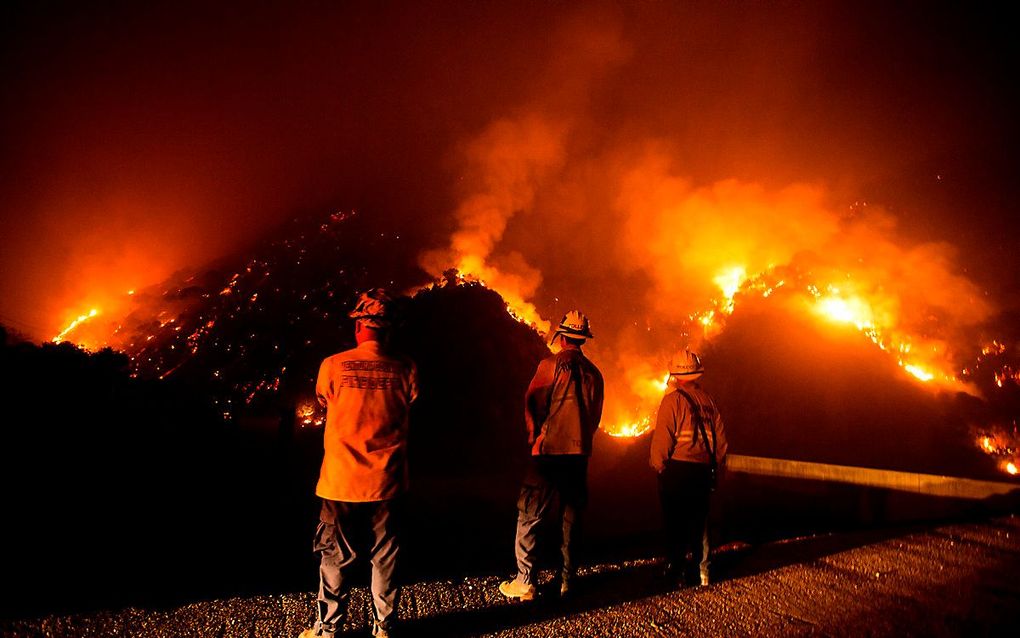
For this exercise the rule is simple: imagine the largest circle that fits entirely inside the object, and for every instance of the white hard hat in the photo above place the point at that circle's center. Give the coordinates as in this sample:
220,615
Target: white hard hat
373,308
686,365
574,325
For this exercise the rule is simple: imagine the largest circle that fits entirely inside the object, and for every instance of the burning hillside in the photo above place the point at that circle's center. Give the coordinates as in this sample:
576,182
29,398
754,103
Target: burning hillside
661,263
252,337
653,217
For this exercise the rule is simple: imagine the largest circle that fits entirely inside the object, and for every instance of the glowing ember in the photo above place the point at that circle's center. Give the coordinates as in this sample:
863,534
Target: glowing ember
1011,468
1006,374
993,349
74,324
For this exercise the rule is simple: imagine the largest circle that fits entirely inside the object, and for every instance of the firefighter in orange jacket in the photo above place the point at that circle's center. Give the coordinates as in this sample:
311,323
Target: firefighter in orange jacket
367,393
688,449
563,410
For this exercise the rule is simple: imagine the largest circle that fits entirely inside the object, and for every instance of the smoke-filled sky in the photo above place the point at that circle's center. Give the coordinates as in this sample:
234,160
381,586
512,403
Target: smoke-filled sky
581,145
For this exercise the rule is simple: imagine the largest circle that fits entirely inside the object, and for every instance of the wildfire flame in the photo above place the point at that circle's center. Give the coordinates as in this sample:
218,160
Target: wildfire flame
74,324
835,305
831,303
309,415
987,444
474,268
729,282
1002,444
629,430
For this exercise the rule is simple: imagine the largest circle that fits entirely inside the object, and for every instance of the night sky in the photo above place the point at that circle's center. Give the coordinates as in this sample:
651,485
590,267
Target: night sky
140,138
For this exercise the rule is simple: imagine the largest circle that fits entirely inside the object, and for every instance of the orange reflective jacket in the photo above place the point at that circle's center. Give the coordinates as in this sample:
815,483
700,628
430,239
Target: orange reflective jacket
367,395
674,436
564,404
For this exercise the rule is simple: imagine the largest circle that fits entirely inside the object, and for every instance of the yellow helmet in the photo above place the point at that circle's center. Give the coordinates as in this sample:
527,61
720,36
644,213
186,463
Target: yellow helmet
686,365
373,308
574,325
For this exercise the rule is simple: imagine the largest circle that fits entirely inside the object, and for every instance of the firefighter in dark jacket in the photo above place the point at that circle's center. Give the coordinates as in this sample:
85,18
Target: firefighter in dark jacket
563,407
688,451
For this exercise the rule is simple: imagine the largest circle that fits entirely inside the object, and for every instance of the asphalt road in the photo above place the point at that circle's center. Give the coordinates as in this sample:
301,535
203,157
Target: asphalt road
950,580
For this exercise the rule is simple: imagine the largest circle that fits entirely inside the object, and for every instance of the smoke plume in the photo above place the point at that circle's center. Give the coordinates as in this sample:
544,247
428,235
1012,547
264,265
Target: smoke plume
560,210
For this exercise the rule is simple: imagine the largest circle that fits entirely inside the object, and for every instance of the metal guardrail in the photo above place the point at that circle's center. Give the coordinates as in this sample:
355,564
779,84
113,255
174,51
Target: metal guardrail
930,484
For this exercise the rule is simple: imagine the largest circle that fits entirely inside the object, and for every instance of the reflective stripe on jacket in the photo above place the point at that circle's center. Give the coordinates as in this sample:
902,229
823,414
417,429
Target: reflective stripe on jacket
367,395
564,404
674,435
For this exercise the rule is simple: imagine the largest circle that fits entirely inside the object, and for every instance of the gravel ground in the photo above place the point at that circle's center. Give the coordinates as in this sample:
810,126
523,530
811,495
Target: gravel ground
951,580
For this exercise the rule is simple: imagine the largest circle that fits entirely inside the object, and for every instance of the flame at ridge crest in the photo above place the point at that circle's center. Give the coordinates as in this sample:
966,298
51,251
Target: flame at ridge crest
830,303
508,287
835,304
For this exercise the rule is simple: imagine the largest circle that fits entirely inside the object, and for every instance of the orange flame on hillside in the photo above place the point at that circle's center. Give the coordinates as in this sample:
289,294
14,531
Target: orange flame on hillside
1002,444
474,268
924,360
80,319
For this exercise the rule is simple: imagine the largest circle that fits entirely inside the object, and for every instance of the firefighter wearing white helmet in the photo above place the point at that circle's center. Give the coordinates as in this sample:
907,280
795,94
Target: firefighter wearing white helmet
688,448
573,326
563,407
367,392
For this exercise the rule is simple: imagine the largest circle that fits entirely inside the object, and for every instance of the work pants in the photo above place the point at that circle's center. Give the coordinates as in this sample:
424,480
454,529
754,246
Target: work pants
684,493
555,493
348,532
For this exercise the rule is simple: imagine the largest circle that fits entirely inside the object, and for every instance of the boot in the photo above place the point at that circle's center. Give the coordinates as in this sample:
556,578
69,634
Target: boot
515,589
